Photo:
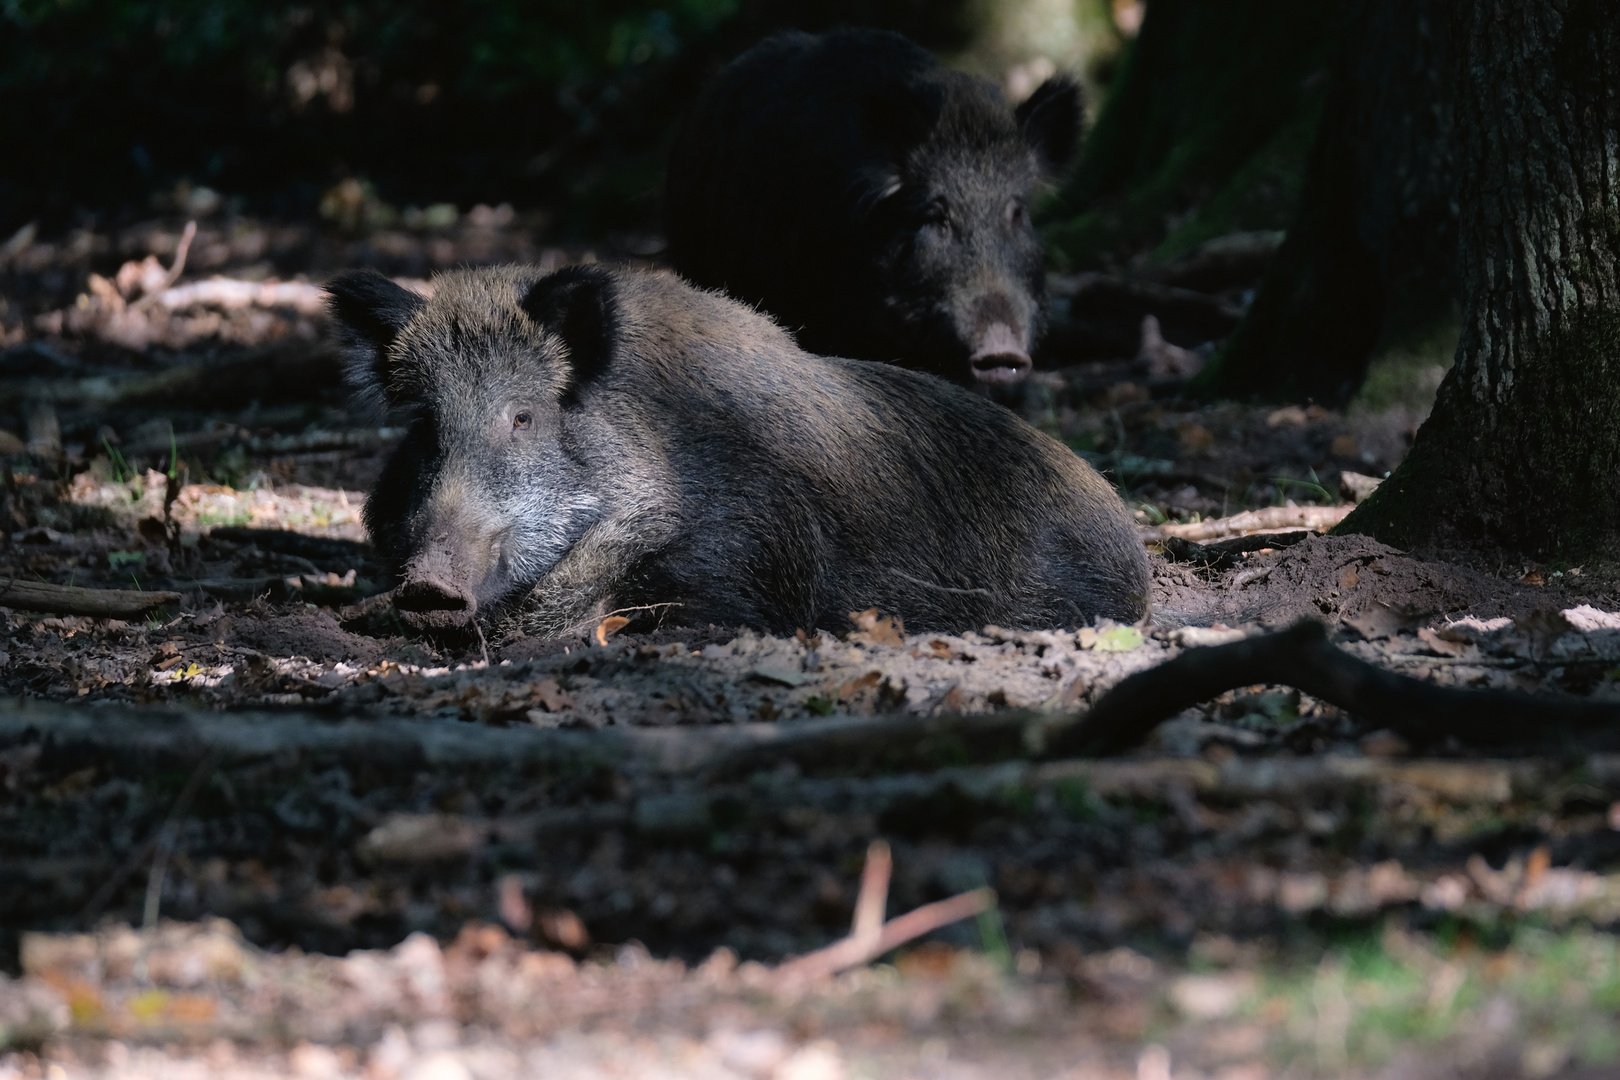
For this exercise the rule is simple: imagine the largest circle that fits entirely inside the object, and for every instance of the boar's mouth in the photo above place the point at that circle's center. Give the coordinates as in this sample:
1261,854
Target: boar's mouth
1000,357
428,604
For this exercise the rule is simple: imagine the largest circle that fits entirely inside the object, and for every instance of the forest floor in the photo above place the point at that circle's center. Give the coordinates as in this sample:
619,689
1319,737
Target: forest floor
358,854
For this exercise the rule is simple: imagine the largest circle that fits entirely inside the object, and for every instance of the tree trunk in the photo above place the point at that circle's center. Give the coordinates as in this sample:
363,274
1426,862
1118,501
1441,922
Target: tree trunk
1370,257
1522,450
1204,132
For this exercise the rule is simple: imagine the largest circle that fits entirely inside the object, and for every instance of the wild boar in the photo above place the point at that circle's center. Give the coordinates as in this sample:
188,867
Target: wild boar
875,202
612,440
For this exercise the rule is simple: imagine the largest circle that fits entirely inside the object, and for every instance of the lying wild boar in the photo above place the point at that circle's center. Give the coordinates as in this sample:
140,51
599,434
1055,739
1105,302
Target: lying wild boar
604,440
873,201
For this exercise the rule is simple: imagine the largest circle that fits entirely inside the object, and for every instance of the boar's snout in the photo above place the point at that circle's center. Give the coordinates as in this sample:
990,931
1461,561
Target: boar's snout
999,356
428,603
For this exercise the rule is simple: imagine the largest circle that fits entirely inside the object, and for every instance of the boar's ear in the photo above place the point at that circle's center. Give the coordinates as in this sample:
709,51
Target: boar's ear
370,311
1050,121
576,303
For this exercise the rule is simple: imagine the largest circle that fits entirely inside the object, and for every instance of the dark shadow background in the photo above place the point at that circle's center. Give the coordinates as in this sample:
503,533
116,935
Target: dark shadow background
559,104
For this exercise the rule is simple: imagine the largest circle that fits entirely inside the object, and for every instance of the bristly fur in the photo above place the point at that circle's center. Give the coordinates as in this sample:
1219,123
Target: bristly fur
709,469
807,174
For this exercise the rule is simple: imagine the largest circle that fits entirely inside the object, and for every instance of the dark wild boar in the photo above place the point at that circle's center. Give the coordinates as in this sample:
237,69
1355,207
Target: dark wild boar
606,439
873,201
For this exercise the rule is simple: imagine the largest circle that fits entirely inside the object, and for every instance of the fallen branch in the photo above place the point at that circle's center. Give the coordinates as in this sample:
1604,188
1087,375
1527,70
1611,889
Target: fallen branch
229,293
72,600
853,952
1302,657
176,268
1266,519
869,936
1225,554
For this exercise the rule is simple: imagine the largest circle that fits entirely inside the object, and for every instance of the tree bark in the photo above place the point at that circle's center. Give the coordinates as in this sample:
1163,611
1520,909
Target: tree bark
1522,450
1370,257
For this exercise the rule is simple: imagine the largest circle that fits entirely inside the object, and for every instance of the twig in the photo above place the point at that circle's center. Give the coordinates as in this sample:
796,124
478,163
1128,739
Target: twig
1302,657
873,899
852,951
175,268
74,600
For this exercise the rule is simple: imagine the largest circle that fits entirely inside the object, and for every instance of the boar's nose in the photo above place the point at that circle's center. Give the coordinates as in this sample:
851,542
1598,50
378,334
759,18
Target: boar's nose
1000,357
429,603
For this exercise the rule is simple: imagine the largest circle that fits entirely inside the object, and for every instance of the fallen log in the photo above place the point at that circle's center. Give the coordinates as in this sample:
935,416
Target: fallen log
41,596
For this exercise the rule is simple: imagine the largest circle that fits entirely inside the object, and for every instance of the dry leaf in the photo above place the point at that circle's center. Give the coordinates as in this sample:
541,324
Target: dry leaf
552,697
855,686
874,629
1438,644
610,626
563,928
1118,639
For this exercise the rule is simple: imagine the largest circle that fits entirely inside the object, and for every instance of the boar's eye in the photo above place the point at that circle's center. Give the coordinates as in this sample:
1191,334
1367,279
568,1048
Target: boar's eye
935,213
522,420
1017,214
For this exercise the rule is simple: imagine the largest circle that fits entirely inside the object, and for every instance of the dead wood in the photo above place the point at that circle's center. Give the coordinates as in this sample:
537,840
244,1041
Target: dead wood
72,600
176,268
177,738
1266,519
1301,657
1224,554
315,548
1104,315
869,936
694,812
229,293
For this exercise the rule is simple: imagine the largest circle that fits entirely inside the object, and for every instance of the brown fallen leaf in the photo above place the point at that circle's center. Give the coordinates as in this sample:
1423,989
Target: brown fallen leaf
855,686
1438,644
610,626
552,697
1533,577
563,928
1195,438
874,629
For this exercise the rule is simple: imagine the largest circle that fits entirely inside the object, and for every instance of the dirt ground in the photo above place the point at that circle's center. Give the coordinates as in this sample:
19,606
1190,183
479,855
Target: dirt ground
354,853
